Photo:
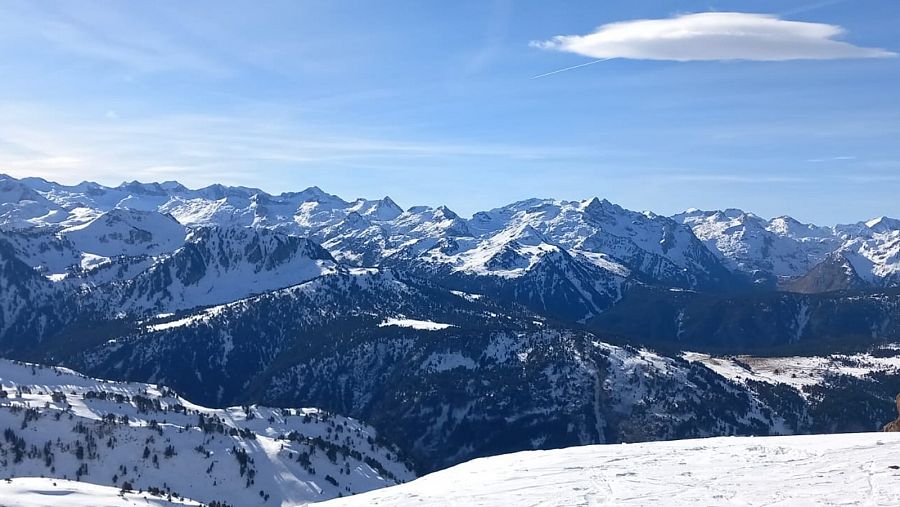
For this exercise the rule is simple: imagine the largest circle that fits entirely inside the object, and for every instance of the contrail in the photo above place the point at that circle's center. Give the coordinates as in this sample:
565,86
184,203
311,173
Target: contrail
570,68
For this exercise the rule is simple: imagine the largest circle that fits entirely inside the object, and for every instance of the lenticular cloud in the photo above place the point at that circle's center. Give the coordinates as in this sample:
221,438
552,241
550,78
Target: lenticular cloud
713,36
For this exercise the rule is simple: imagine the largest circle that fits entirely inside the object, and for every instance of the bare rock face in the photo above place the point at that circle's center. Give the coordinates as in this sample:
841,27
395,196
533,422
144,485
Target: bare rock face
895,424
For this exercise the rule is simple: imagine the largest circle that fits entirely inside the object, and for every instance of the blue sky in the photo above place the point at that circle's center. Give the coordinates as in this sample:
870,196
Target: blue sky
436,102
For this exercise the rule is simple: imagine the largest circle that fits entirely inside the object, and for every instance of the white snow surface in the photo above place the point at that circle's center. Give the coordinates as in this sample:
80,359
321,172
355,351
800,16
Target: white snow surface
46,492
849,469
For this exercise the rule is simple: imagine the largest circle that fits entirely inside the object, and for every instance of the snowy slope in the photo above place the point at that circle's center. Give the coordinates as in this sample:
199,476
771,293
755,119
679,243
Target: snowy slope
43,250
23,207
854,469
221,264
65,425
127,232
46,492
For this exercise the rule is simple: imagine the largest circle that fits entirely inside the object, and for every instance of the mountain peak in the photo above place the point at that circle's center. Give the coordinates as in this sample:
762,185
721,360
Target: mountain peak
145,188
528,235
598,204
172,186
883,224
443,212
381,210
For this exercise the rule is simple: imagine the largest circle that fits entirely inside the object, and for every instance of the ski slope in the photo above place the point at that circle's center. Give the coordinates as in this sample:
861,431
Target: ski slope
850,469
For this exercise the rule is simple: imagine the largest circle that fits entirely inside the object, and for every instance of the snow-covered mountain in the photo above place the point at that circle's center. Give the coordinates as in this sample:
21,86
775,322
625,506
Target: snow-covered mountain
21,206
692,250
642,246
857,469
653,247
781,247
140,437
129,232
218,265
785,248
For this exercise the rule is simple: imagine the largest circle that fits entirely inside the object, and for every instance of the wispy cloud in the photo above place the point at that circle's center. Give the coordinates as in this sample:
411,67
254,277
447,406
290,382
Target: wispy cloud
109,34
230,148
713,36
840,158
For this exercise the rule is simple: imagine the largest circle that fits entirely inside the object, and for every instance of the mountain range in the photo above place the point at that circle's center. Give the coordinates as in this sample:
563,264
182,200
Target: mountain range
692,250
540,324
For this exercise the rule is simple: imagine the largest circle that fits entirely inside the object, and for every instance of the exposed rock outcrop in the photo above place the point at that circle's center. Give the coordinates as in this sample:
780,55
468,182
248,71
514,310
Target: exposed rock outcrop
895,424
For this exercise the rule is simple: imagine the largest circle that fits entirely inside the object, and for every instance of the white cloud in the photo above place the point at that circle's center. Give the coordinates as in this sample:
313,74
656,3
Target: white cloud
713,36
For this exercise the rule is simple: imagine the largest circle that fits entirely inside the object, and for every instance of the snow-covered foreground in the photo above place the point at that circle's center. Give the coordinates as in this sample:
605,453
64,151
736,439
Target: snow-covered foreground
43,492
62,425
850,469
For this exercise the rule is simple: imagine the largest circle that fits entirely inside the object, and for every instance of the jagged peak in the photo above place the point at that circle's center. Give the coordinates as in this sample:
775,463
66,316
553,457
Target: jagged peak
381,210
445,213
139,187
387,209
883,224
597,205
441,212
